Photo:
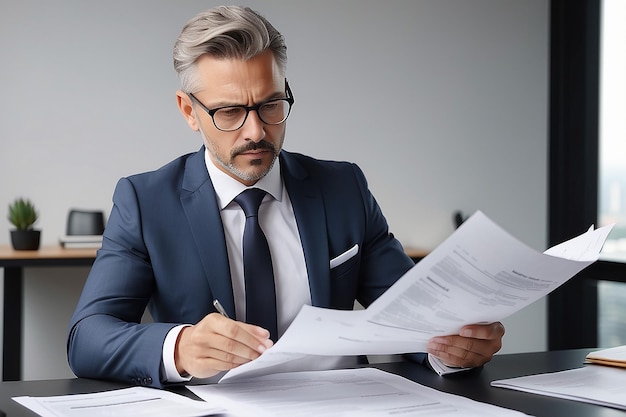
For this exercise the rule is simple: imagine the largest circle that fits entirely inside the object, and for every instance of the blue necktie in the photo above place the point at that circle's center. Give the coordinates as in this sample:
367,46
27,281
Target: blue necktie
257,266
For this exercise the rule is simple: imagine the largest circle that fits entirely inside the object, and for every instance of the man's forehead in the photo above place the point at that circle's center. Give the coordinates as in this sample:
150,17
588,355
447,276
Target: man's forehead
259,75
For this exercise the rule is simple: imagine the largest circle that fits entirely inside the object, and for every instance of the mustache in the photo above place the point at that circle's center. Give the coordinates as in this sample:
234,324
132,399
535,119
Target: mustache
253,146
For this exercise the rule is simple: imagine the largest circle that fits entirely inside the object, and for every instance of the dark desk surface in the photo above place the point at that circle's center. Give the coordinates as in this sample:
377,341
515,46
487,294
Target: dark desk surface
473,384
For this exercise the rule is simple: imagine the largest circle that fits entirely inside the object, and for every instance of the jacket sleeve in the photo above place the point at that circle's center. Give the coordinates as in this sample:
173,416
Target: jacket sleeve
383,260
106,339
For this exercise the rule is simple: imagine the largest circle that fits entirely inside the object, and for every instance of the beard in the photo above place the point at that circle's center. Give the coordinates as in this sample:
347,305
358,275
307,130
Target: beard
247,176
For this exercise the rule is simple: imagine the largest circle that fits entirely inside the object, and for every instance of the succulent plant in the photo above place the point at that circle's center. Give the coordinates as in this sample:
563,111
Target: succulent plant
22,214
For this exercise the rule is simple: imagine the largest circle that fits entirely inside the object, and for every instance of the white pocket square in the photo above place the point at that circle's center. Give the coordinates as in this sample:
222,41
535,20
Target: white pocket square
344,256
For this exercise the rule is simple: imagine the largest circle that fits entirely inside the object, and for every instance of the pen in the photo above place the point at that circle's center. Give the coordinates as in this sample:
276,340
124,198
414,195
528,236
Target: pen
219,308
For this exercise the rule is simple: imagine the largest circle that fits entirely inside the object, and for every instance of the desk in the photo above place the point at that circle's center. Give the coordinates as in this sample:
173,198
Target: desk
473,384
13,263
416,254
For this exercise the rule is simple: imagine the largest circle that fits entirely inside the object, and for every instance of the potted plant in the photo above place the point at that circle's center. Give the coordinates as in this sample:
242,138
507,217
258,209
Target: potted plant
23,215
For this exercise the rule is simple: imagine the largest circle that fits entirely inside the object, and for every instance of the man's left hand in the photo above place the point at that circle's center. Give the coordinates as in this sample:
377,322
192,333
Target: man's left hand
474,346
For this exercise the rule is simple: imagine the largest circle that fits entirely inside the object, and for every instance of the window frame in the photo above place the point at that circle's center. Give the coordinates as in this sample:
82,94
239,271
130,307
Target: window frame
574,166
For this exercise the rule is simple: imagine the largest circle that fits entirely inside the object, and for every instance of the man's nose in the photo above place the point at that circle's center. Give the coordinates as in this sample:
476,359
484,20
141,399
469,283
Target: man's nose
254,128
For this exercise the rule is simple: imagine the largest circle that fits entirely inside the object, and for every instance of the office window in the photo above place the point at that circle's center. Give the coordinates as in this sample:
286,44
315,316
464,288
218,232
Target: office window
586,82
612,167
612,179
611,317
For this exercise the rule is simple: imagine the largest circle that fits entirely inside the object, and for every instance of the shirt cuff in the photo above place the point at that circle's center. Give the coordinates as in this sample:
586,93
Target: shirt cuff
169,365
441,368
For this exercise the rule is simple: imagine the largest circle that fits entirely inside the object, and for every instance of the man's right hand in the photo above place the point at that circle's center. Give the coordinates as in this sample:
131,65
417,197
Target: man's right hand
216,344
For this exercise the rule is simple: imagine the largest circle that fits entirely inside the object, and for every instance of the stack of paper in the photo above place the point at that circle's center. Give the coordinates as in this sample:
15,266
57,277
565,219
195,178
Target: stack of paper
347,392
81,241
127,402
612,357
602,385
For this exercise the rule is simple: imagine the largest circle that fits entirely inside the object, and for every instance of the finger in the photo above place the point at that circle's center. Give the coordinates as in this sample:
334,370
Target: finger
484,331
231,346
254,337
226,357
446,349
462,351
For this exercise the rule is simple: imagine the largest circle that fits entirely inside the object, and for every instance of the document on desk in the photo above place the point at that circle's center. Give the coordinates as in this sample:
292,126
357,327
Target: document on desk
348,392
480,274
595,384
128,402
615,356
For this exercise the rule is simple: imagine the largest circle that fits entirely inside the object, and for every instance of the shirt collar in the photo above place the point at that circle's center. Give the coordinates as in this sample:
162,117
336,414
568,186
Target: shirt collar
227,188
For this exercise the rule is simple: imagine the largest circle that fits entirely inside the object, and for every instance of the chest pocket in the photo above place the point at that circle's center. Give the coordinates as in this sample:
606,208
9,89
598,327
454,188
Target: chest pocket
344,279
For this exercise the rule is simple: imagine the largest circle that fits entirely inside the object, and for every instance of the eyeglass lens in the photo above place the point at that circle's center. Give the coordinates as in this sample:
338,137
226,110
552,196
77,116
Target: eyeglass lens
232,118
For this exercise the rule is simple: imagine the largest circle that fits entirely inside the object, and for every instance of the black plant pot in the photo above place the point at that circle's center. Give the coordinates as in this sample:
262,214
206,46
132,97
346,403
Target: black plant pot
25,239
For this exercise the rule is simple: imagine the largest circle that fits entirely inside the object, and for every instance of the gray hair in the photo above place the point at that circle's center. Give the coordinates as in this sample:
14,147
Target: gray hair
225,32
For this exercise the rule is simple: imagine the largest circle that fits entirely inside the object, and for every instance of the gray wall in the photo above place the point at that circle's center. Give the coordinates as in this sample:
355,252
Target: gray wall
442,103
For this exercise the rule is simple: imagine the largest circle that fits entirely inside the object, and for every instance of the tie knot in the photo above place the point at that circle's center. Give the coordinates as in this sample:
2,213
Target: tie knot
250,200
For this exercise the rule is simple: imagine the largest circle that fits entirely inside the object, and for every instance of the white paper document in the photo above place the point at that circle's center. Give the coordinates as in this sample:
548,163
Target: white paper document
595,384
480,274
615,356
348,392
129,402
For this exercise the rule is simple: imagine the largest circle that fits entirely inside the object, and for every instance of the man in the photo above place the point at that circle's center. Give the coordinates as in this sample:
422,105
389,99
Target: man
174,241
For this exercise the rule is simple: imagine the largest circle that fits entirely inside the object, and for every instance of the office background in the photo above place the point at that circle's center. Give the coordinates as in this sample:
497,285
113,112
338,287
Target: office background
442,103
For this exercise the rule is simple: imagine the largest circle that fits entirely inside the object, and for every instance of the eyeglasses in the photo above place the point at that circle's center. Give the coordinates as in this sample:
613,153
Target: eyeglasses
231,118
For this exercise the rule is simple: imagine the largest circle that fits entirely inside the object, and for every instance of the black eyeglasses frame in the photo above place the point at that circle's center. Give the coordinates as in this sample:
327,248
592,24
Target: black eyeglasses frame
211,112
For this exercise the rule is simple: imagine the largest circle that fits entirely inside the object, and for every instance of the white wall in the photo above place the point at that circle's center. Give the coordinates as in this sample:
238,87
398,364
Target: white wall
442,103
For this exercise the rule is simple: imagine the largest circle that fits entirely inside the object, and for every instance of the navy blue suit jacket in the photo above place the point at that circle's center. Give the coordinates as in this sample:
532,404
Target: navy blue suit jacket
164,248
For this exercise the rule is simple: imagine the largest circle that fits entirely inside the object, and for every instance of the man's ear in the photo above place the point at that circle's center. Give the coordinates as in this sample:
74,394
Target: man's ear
186,109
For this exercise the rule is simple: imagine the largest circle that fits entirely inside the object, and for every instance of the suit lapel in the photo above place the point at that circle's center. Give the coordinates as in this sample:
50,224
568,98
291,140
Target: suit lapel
202,211
310,214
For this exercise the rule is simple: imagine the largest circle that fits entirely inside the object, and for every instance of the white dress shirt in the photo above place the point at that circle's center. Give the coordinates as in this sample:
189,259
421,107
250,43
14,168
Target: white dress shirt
278,222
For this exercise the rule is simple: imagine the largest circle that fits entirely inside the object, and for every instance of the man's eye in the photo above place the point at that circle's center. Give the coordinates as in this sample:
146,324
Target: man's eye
271,106
231,112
